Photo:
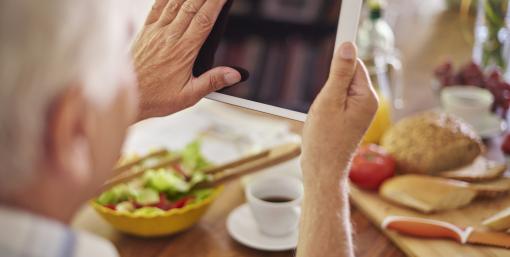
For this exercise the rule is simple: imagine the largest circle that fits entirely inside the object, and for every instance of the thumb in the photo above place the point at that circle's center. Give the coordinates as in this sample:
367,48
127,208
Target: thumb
361,90
362,101
342,69
216,79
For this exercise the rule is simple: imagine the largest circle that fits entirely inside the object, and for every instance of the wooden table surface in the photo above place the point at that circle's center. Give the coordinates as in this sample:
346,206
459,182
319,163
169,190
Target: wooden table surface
426,35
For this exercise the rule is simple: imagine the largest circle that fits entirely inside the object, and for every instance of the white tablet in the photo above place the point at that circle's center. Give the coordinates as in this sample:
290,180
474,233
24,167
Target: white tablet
286,46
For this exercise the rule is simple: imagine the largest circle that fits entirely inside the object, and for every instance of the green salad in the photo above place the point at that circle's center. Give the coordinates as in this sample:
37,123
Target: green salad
164,189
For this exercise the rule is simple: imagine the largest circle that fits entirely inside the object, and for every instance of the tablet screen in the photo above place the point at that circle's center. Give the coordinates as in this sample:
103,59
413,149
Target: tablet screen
286,45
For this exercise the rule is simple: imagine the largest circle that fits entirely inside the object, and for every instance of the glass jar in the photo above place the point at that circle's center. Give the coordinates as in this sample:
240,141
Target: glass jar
376,44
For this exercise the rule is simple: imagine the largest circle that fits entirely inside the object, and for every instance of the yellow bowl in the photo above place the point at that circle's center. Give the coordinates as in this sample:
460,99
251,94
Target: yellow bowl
164,224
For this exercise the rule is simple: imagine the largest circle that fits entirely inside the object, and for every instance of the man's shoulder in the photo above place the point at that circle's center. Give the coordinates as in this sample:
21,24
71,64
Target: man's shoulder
26,234
91,245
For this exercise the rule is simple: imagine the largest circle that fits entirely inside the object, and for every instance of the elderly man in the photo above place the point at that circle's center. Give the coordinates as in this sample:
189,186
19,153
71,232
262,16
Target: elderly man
69,90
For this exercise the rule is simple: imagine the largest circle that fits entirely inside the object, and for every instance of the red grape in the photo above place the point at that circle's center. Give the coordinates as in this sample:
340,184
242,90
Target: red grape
444,74
472,75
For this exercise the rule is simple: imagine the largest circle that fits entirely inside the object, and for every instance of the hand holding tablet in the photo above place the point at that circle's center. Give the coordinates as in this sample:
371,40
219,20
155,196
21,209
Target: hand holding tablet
344,104
292,58
164,54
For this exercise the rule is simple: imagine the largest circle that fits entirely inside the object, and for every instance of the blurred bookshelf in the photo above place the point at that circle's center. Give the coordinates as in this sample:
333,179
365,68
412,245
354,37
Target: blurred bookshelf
286,45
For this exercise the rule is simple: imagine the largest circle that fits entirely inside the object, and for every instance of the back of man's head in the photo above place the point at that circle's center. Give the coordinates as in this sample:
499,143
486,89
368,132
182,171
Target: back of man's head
46,46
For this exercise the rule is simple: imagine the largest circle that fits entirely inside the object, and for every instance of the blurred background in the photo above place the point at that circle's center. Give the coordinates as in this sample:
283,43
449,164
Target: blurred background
412,48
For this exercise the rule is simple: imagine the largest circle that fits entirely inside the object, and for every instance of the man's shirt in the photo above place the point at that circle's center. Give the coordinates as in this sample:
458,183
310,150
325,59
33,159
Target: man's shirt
26,235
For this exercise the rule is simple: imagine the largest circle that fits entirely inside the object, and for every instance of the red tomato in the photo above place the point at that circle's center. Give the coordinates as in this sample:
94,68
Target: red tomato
181,202
506,144
371,166
111,206
163,203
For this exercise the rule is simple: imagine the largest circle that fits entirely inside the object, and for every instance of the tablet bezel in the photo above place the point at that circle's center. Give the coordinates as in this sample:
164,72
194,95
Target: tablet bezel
348,26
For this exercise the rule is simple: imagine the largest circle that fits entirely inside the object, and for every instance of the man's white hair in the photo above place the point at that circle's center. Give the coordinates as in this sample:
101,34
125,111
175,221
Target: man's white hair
46,46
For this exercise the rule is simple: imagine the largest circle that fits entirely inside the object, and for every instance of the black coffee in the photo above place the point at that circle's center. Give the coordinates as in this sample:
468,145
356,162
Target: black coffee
277,199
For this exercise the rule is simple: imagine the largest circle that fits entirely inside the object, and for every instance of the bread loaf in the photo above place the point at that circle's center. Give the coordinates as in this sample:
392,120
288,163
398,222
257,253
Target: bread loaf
432,142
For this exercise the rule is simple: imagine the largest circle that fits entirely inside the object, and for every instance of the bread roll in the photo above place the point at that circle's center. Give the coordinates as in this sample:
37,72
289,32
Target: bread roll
427,194
432,142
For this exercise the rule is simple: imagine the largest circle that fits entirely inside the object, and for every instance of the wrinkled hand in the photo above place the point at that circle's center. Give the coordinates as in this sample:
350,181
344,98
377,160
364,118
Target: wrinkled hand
338,118
165,52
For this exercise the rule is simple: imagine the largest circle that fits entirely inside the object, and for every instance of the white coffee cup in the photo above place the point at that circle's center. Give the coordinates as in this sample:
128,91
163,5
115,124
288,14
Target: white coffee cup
266,195
470,103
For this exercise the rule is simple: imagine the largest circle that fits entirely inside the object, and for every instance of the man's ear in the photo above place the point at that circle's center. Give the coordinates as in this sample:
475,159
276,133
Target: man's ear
68,151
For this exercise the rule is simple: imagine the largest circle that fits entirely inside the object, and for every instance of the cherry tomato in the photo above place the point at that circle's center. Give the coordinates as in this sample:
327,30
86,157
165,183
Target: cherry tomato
506,144
371,166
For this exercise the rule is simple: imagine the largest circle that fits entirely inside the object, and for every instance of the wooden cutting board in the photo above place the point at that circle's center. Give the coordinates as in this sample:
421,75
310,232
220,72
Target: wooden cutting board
376,209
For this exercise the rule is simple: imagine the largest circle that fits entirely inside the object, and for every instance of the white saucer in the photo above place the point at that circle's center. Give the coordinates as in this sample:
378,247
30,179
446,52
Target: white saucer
242,227
490,126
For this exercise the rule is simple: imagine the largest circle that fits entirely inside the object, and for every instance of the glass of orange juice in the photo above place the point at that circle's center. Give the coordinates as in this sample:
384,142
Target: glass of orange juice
381,122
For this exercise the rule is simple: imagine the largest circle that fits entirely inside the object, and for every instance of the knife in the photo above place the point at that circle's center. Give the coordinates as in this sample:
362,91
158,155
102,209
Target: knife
428,228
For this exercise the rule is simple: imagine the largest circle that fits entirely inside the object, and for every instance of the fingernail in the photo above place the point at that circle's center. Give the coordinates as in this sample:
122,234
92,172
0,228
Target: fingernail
244,73
232,78
347,51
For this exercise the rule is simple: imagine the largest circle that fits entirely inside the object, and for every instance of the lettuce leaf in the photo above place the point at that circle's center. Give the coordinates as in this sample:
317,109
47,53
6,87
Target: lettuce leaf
192,158
147,196
115,195
148,211
202,194
166,181
125,207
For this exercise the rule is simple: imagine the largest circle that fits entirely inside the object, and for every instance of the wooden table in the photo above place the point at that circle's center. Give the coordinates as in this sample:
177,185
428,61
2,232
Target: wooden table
426,35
